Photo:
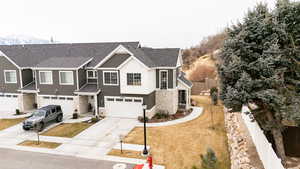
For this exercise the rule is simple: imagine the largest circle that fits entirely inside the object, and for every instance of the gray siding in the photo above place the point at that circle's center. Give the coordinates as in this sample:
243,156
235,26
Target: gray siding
56,88
81,77
170,78
107,90
115,91
11,87
27,76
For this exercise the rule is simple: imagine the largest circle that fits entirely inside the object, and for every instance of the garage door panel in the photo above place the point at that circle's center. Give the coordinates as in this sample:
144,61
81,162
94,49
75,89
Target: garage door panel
8,103
123,107
66,103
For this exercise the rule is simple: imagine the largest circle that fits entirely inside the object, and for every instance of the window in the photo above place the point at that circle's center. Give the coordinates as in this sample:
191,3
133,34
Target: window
163,79
134,79
10,76
66,78
110,78
91,74
45,77
110,99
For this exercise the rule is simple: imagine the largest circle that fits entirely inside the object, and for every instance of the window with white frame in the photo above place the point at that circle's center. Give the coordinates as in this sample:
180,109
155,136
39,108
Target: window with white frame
110,78
66,78
45,77
91,74
163,79
134,79
10,76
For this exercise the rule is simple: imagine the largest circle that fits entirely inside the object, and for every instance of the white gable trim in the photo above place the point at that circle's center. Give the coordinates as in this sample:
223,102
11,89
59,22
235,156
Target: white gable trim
120,47
85,63
11,61
184,84
179,59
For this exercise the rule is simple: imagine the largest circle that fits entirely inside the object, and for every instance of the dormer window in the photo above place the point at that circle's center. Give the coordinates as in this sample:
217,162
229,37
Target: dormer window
91,74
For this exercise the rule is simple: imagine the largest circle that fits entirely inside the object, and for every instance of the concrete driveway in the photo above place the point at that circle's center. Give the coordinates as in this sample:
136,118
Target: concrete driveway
99,138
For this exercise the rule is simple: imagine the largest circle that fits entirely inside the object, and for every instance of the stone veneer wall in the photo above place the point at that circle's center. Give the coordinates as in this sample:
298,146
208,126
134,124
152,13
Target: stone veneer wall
167,100
243,153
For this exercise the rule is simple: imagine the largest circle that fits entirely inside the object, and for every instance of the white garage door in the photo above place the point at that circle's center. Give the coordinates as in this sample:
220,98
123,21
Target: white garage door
123,107
9,103
66,103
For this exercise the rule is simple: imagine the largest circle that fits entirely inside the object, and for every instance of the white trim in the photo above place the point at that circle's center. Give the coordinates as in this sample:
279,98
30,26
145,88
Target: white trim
163,68
179,59
123,97
111,54
28,91
50,83
60,83
94,74
107,84
157,89
160,79
51,68
42,95
3,93
107,68
21,80
85,63
184,84
11,61
77,83
124,63
14,71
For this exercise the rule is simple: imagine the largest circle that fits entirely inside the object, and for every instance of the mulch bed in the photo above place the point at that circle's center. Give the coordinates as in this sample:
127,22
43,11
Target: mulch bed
178,115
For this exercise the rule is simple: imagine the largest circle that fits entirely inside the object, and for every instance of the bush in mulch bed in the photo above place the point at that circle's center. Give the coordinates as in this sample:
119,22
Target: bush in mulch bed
163,116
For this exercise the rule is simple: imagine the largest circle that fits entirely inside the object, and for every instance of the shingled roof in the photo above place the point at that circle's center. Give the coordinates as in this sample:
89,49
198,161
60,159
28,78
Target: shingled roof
52,55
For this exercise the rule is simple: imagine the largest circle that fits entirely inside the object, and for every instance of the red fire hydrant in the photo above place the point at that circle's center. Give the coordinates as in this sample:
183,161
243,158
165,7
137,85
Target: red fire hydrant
149,161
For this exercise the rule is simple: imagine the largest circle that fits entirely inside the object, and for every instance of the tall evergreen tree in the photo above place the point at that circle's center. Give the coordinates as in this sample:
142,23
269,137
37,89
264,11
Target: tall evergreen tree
260,64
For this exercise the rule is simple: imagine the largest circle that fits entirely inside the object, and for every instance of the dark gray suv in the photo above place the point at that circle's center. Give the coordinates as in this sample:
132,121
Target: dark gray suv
41,117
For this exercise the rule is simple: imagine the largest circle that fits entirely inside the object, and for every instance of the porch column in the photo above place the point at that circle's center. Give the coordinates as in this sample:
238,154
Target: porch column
96,105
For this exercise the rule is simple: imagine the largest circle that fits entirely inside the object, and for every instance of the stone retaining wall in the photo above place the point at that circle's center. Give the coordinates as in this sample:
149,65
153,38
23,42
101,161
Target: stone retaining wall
243,153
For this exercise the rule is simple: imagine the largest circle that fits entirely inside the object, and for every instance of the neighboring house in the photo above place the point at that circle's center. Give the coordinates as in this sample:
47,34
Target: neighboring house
110,78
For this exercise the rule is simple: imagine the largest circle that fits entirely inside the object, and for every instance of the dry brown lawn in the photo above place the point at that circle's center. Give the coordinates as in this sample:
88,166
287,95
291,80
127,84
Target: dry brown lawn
6,123
126,153
67,129
180,146
42,144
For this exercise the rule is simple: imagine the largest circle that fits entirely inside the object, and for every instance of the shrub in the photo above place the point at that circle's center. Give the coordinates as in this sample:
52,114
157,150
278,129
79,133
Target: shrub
95,119
18,112
214,95
141,119
75,115
161,115
209,160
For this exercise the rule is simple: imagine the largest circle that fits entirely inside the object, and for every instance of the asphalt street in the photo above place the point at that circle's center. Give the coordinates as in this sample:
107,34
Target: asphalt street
13,159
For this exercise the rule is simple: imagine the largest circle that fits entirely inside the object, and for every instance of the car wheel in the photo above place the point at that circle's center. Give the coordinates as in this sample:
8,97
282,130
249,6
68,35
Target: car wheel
59,118
26,129
41,127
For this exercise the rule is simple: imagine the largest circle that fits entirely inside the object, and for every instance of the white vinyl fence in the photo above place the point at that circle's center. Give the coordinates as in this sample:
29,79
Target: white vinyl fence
264,148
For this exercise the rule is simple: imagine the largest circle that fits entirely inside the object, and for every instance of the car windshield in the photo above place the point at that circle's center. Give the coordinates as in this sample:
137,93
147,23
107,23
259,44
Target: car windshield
38,113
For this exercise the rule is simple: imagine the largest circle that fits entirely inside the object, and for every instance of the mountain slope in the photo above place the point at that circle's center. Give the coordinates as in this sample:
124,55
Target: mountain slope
21,39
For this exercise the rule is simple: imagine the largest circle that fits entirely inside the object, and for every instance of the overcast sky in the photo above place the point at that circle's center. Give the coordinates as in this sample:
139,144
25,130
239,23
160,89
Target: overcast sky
156,23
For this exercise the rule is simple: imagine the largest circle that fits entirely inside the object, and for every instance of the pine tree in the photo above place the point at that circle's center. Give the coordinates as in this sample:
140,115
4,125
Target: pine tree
260,65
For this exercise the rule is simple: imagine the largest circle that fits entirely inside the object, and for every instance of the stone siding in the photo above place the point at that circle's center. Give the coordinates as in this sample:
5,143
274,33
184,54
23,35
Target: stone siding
167,100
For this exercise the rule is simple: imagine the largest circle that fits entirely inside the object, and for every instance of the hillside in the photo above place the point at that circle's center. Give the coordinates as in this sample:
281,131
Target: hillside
21,39
199,61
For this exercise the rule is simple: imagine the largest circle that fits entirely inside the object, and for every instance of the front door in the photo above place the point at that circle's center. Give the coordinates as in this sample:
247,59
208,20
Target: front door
182,97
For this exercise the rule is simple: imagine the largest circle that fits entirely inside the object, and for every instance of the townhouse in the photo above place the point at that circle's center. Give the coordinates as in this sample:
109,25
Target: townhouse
114,79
